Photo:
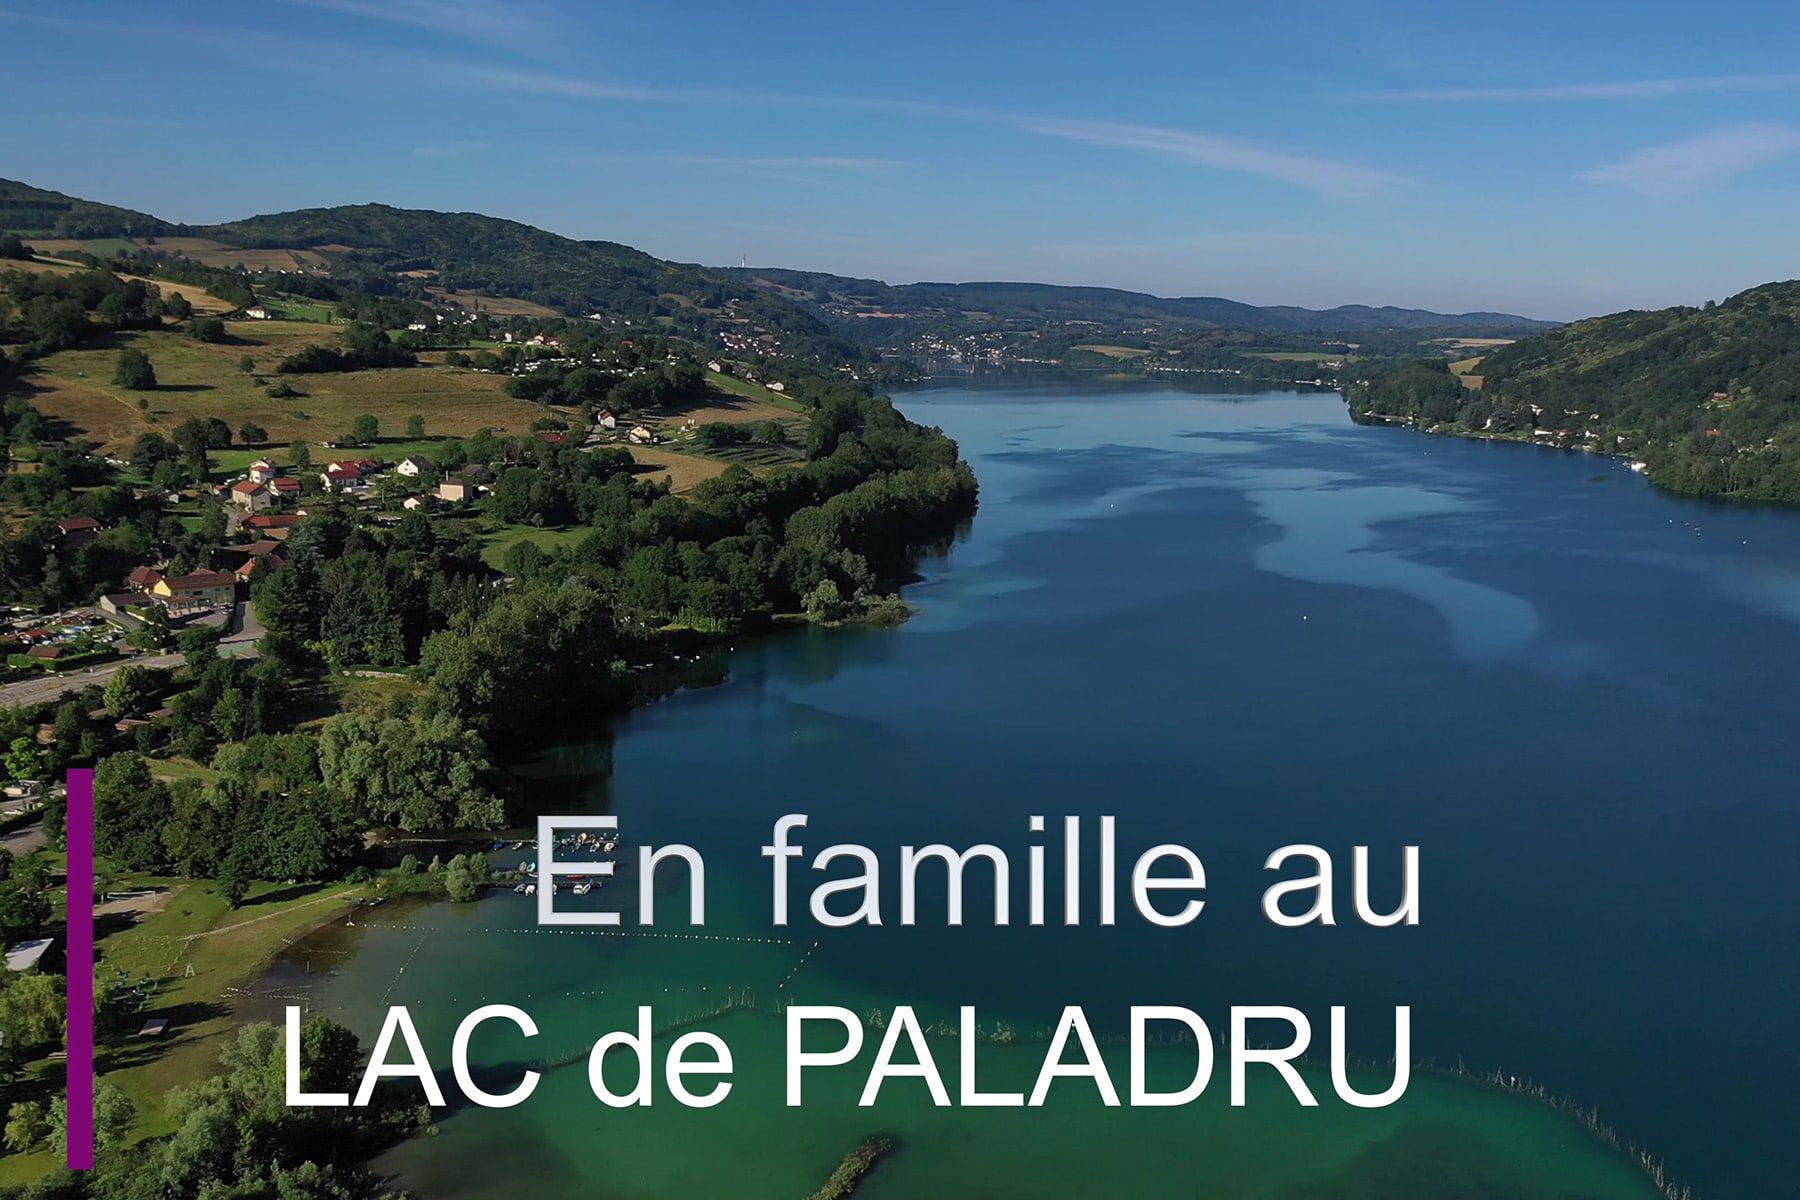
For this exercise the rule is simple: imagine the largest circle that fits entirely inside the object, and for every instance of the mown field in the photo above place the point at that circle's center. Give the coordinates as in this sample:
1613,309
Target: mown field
198,379
203,302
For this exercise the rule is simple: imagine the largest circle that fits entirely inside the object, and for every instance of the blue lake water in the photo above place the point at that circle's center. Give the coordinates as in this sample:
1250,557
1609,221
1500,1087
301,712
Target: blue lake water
1238,622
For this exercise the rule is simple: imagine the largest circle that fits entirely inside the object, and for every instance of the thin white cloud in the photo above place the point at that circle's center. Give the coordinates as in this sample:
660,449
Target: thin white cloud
1629,89
828,162
476,20
1685,166
1223,153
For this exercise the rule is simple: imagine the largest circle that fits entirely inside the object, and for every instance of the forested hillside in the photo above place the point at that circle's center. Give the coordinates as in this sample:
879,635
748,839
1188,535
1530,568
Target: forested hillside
1708,398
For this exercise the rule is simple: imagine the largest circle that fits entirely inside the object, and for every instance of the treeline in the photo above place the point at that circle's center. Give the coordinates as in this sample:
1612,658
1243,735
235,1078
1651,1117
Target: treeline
234,1135
365,347
43,312
1708,397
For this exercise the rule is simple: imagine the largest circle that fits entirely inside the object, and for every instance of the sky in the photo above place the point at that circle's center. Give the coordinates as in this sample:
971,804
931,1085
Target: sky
1555,160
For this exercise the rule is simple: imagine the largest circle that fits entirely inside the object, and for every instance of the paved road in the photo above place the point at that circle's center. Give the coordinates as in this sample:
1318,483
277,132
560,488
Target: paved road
243,632
24,841
55,687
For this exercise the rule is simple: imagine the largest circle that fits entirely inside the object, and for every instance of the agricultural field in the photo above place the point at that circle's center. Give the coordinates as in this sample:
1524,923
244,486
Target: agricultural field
499,306
1467,343
1464,369
682,471
1123,352
1306,356
197,379
217,254
204,302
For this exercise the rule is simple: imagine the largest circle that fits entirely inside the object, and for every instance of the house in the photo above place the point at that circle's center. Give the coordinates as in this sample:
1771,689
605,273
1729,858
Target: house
195,592
242,561
456,490
418,327
642,435
260,312
606,419
361,466
251,495
716,367
284,487
552,436
143,579
338,479
778,386
45,652
413,466
275,526
262,470
415,504
77,532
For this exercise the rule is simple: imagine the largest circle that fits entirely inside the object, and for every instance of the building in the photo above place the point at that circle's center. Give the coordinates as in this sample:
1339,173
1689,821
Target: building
642,435
77,532
262,470
339,479
274,526
362,466
195,592
242,561
251,495
415,503
25,955
412,466
456,490
260,312
44,652
606,419
142,579
284,488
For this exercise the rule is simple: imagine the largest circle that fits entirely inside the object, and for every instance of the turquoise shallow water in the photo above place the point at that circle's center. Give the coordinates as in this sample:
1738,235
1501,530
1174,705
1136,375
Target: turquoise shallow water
1235,622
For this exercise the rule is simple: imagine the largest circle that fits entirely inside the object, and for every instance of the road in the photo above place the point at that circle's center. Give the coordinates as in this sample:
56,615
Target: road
24,841
241,643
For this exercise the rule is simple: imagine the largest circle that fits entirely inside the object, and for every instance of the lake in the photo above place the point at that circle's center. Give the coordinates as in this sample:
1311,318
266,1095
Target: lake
1234,621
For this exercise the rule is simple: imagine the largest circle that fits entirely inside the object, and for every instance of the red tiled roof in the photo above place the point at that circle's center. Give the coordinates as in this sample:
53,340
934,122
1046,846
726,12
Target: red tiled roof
143,577
284,484
73,524
245,487
198,581
273,520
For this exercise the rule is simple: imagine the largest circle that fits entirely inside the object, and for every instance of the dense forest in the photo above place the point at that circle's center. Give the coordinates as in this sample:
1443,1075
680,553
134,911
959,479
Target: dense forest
1708,398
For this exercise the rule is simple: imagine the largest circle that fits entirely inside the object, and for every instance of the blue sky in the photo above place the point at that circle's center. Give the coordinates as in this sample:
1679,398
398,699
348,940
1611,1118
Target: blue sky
1550,159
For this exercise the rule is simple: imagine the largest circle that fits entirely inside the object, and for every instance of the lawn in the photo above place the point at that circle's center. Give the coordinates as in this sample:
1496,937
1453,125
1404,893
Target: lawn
495,543
731,385
196,951
201,379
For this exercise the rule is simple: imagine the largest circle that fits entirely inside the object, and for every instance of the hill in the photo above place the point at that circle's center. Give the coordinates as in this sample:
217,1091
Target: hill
1708,398
845,297
510,268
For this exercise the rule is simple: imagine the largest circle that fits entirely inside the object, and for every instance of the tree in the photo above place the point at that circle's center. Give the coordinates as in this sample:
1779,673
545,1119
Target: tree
22,759
207,329
131,689
463,877
367,429
135,371
301,453
131,810
415,427
251,434
247,365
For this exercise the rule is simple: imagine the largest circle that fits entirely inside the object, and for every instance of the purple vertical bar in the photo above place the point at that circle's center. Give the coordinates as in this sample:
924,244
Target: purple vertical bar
80,955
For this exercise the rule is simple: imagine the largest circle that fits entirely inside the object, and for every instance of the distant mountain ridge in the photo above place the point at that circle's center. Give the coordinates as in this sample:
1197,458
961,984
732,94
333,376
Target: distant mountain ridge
1047,301
472,251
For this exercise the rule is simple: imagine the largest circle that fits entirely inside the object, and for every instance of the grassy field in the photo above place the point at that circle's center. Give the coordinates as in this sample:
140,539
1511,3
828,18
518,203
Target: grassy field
731,385
203,301
500,306
218,254
1464,369
196,951
682,471
1472,343
1112,351
1294,355
496,542
196,379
